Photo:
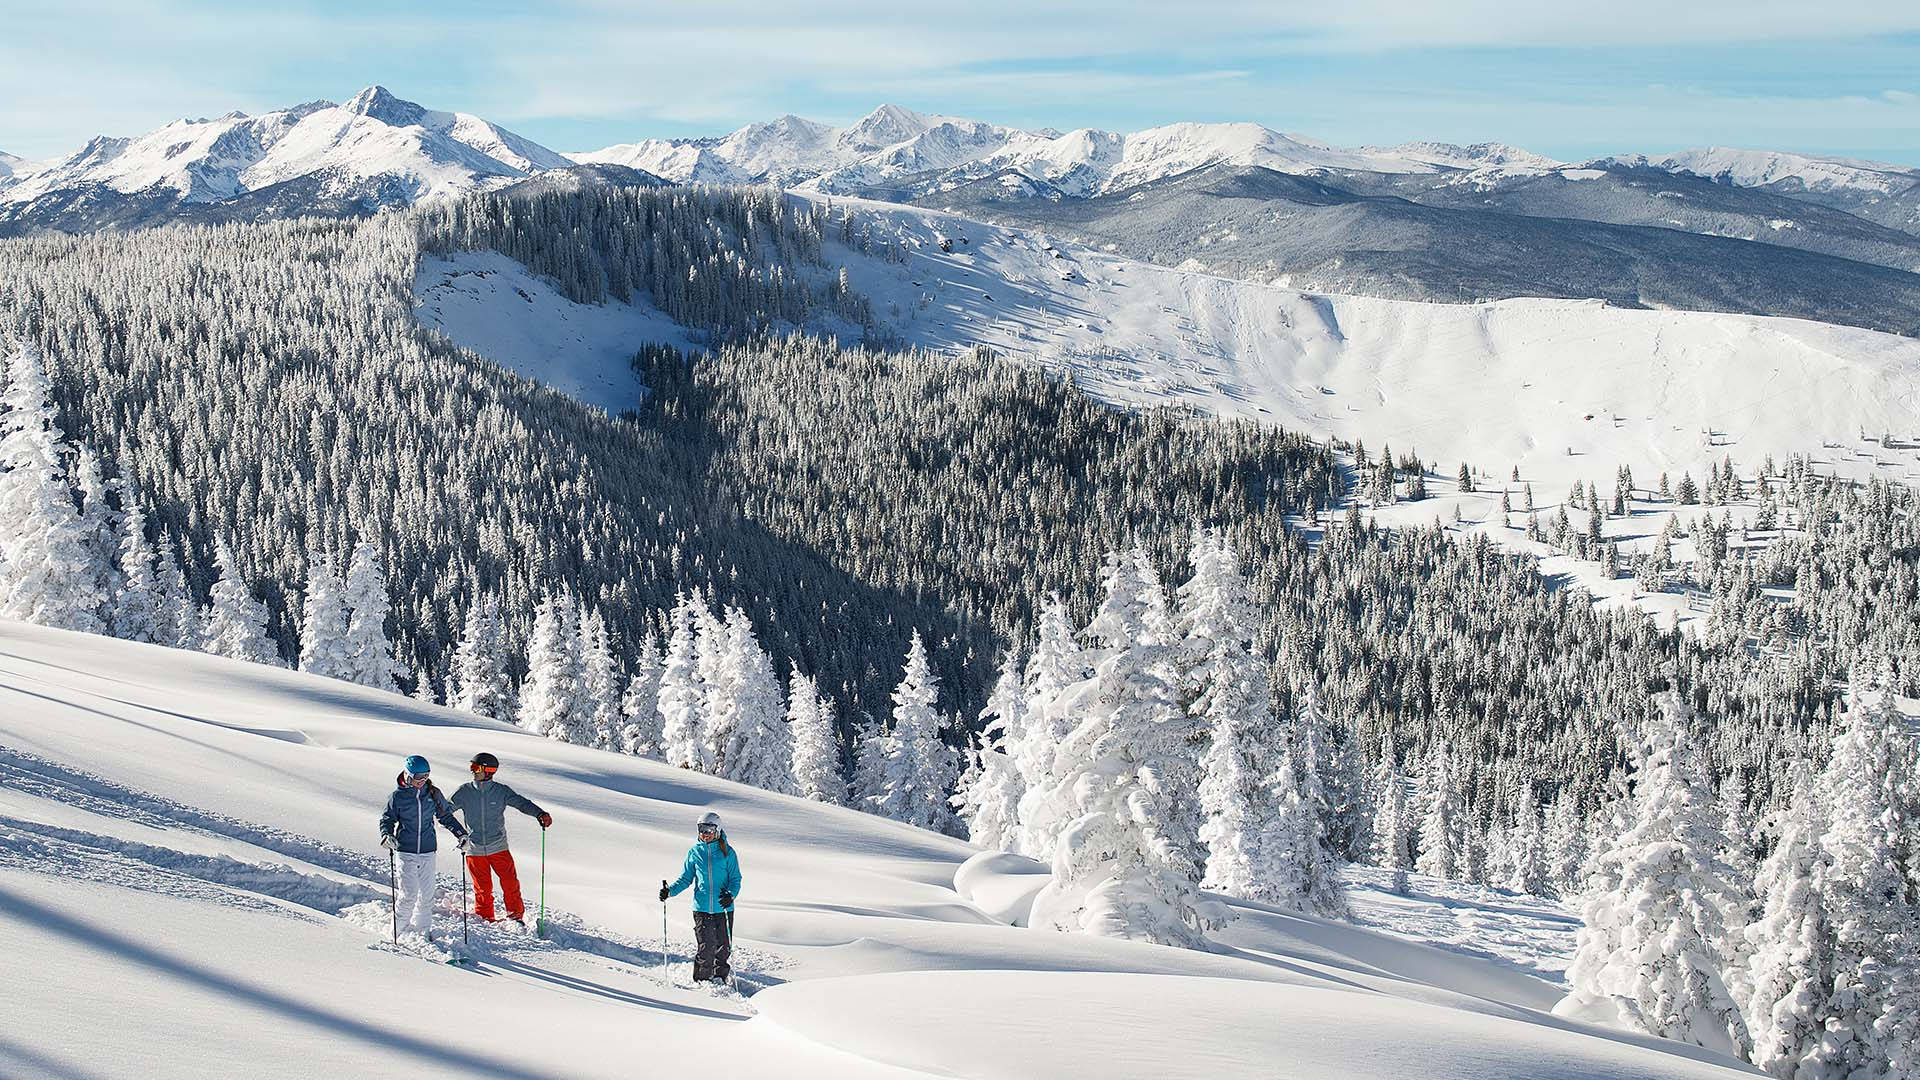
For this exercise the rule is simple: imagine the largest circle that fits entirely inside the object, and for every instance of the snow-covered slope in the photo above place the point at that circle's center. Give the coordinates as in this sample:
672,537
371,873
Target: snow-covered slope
487,302
1887,195
1562,389
187,869
893,146
376,149
13,169
1527,382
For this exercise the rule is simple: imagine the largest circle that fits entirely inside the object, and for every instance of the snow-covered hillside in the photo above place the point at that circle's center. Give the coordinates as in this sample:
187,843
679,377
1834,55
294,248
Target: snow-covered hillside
1766,168
13,169
487,302
187,849
1561,389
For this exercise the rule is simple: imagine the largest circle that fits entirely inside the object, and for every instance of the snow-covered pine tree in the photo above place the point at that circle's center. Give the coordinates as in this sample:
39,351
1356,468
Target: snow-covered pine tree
1392,831
1158,618
640,704
235,624
100,529
1442,841
135,611
1330,773
1257,845
599,707
323,623
1117,872
550,697
423,688
1870,1002
869,784
1057,662
759,749
682,731
1659,948
177,616
479,678
920,769
1306,871
1527,866
1736,824
1500,856
710,641
1566,841
368,651
49,572
1790,963
816,753
989,802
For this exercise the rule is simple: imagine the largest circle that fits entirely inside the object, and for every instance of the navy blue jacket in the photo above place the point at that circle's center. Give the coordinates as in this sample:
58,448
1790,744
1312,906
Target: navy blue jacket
410,814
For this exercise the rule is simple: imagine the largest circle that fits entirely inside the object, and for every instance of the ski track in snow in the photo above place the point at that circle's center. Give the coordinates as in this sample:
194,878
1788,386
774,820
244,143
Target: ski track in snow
1526,933
80,854
34,775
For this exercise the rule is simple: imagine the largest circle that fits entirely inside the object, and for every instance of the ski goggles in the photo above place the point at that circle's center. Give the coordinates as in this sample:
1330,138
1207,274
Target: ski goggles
488,770
708,830
416,779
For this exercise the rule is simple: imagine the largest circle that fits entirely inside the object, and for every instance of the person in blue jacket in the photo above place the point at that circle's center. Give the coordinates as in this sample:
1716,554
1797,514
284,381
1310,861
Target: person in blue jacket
406,828
713,870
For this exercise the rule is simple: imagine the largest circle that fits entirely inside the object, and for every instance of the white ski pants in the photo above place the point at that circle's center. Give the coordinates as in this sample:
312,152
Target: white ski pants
415,905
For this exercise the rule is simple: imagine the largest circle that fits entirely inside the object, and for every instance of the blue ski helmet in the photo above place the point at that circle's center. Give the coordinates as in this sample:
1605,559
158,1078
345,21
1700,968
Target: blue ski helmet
417,766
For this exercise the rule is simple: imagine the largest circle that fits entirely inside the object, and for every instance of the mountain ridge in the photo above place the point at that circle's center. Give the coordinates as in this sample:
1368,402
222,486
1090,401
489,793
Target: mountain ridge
374,151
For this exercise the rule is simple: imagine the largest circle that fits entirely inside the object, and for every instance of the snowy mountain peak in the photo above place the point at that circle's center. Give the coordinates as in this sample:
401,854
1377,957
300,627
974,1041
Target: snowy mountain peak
1478,155
379,103
375,151
885,126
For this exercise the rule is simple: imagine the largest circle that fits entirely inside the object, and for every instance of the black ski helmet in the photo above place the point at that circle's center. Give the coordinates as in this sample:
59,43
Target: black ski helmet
485,760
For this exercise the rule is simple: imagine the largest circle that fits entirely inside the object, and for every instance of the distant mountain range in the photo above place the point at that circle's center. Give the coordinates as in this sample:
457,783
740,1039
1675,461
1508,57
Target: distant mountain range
1755,231
375,151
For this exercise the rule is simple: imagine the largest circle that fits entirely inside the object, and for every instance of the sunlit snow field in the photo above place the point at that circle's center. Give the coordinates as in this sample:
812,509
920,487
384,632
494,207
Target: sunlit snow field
189,872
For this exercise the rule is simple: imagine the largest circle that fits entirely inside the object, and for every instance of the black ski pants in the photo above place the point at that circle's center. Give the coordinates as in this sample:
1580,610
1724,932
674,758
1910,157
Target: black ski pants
713,946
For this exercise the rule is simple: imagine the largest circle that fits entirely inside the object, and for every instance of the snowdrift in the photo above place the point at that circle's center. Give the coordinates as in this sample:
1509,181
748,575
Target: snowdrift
190,882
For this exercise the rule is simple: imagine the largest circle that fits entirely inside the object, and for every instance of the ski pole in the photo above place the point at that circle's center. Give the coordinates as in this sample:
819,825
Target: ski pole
393,892
540,925
726,920
663,937
463,899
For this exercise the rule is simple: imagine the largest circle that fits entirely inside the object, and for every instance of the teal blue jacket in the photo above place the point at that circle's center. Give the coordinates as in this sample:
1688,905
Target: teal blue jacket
711,869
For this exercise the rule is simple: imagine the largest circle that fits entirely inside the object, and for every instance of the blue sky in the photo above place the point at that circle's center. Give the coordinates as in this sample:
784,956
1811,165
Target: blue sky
1567,80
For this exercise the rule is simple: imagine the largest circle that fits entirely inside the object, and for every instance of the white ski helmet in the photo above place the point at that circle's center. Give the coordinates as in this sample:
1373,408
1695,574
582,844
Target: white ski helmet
709,818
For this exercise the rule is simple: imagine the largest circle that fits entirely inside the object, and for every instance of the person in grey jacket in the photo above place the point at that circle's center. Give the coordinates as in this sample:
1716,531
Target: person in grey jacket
482,804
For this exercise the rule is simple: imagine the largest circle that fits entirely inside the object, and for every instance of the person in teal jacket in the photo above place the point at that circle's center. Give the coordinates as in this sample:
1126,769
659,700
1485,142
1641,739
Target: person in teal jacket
713,869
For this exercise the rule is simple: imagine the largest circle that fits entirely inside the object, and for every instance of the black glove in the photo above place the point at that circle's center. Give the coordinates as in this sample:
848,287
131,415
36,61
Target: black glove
664,894
726,898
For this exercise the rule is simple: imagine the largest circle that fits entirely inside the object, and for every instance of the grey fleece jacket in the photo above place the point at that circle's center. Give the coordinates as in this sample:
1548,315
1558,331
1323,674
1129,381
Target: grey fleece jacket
482,805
